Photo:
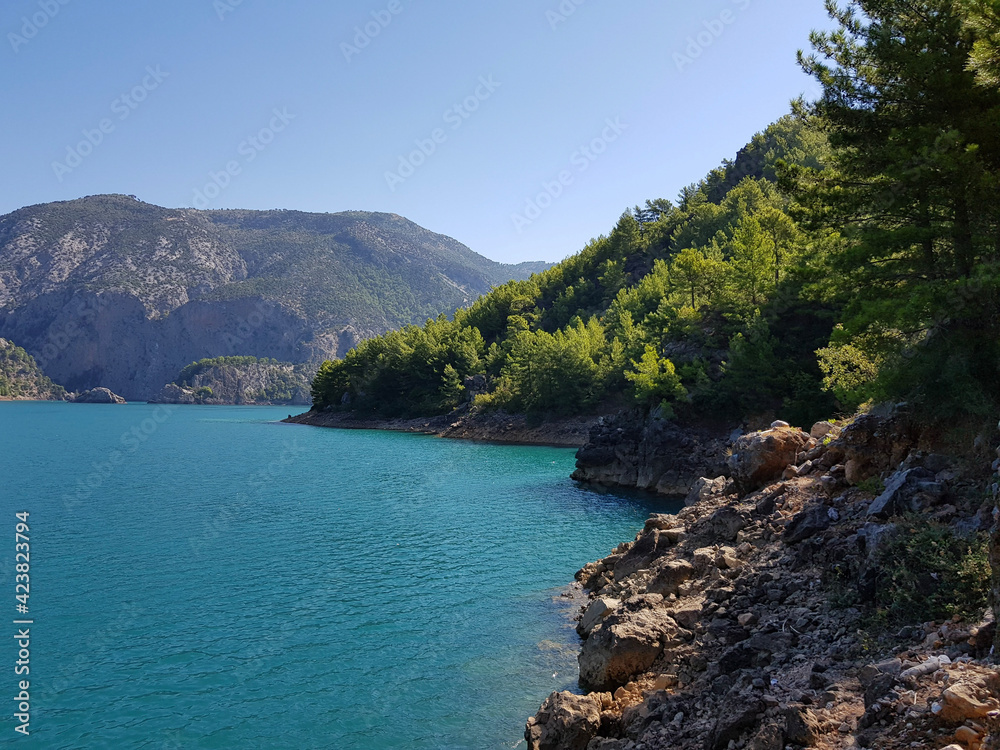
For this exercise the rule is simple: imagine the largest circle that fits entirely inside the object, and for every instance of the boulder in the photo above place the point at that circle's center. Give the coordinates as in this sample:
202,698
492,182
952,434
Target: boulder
624,644
761,457
597,611
965,701
770,737
875,442
704,488
726,524
647,548
821,429
688,613
99,396
735,718
670,577
801,726
564,722
912,490
808,523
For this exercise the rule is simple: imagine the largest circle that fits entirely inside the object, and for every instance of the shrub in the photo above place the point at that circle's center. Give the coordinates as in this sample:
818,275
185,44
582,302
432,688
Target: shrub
929,573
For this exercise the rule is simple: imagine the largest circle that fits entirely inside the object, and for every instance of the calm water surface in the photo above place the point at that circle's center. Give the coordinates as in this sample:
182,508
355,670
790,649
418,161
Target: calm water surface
203,577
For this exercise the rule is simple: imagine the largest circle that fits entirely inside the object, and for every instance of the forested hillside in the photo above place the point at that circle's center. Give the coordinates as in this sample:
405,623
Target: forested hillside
699,303
21,378
849,253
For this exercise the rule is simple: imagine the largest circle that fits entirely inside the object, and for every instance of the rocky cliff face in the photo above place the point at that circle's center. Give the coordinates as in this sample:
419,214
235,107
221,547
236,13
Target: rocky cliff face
740,622
633,451
110,291
245,384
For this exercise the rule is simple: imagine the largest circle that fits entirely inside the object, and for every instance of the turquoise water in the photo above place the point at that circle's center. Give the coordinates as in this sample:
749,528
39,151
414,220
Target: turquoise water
203,577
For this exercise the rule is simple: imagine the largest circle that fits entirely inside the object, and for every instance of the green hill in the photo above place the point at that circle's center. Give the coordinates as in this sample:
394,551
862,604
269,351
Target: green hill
680,303
848,254
21,378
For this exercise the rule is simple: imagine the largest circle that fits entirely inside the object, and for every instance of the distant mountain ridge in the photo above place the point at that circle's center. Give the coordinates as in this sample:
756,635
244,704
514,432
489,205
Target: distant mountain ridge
110,291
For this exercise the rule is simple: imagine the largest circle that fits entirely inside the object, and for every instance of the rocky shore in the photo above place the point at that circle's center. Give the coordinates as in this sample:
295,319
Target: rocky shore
496,427
635,452
745,620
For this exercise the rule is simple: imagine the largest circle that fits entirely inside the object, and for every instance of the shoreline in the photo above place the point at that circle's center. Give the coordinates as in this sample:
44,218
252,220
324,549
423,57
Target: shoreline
498,428
740,620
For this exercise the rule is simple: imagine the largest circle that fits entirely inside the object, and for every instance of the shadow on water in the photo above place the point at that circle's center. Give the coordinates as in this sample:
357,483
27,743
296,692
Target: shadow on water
640,499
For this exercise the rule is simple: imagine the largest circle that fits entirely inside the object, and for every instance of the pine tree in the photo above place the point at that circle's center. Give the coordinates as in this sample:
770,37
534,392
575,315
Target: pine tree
914,193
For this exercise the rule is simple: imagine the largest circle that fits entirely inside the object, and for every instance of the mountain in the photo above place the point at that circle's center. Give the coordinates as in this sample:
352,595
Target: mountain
21,378
110,291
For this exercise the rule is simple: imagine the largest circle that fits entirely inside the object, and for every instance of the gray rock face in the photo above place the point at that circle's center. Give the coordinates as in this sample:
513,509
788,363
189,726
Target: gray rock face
172,393
704,488
807,524
83,338
597,611
647,548
912,490
245,384
564,722
626,643
631,450
670,577
99,396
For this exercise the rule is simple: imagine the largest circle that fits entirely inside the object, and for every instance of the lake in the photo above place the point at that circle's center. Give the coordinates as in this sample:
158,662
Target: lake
205,577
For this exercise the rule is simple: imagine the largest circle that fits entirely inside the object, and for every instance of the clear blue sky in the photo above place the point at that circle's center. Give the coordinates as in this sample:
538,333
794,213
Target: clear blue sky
543,84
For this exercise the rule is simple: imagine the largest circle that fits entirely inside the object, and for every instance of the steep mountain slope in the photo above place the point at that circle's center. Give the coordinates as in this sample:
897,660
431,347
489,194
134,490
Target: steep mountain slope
108,290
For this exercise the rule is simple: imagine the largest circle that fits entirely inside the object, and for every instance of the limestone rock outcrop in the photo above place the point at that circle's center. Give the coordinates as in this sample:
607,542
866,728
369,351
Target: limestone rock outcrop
564,722
98,396
624,644
762,457
635,451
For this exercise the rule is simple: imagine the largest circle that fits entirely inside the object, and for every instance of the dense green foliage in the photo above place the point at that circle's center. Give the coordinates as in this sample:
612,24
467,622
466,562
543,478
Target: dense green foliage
197,368
672,309
21,378
913,186
849,253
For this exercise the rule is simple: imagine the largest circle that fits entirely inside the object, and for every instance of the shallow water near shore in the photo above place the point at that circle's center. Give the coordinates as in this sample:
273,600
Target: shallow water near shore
203,577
